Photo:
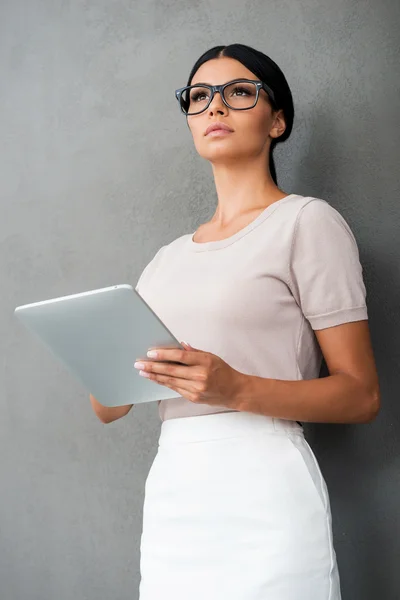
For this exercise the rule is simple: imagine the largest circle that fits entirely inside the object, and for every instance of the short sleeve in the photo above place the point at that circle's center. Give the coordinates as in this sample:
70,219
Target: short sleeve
149,269
141,277
325,273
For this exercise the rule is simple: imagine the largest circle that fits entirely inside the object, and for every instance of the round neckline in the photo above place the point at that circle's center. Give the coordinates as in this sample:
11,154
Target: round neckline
217,244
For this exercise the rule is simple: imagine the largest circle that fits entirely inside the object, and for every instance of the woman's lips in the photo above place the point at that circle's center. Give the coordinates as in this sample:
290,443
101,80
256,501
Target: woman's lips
218,132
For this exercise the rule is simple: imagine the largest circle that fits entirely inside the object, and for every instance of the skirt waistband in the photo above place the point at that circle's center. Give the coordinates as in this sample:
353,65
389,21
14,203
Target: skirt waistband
222,425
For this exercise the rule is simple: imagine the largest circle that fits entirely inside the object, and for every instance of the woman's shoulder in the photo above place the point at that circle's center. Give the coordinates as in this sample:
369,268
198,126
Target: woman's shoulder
317,212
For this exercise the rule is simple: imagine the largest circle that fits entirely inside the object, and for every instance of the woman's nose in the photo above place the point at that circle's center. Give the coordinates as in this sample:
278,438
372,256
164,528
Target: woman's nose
217,103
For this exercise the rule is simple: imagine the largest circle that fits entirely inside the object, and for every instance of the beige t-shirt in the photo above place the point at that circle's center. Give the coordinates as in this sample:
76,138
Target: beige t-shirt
255,298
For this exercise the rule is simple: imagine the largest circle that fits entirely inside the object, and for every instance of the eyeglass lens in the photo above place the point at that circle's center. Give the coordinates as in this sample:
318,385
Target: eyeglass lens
237,95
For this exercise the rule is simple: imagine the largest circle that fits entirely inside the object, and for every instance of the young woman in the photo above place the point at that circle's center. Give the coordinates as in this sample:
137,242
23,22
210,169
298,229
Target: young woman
236,507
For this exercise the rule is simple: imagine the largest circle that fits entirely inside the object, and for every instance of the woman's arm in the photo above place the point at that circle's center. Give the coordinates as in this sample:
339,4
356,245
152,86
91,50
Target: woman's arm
108,414
350,394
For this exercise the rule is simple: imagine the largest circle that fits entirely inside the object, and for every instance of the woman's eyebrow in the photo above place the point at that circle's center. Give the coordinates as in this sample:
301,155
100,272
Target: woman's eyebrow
202,82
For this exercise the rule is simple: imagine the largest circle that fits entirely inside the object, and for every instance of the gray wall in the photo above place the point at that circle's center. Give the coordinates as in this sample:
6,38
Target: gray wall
98,170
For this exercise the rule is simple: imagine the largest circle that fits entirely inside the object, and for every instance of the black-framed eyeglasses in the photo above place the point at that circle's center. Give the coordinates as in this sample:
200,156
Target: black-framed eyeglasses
239,94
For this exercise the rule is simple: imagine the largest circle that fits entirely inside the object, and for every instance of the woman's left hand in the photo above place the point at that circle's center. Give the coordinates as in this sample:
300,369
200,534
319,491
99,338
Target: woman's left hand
202,378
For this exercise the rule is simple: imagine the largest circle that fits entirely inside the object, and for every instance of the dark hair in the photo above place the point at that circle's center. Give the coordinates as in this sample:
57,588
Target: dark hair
266,70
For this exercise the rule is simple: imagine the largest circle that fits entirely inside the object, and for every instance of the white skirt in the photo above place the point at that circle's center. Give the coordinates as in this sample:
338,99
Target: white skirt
236,508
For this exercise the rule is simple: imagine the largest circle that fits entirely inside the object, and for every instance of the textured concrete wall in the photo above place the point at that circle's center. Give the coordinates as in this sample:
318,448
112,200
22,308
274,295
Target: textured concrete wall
98,170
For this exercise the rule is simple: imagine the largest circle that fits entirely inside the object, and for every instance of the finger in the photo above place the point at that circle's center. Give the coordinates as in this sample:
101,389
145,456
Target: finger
190,347
185,357
182,386
168,369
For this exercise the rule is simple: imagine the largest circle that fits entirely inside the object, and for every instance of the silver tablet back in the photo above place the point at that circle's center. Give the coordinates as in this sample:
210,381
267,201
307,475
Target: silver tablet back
98,335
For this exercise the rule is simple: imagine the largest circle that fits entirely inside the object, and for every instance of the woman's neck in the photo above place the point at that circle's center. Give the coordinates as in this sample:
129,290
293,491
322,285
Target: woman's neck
242,189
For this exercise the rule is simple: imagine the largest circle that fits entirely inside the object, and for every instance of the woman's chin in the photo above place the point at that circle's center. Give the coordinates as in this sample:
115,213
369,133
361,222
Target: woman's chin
218,158
220,152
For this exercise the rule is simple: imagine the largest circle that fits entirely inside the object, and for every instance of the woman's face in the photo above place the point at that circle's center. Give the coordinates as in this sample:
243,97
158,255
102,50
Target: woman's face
252,129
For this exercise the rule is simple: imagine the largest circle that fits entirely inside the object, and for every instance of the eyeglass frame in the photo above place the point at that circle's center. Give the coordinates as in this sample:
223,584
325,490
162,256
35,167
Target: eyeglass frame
220,88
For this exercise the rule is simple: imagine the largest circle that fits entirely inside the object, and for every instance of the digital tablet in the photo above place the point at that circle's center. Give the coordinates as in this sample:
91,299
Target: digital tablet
99,335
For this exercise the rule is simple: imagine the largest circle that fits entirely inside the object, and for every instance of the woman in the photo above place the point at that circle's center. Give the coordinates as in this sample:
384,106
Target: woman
236,507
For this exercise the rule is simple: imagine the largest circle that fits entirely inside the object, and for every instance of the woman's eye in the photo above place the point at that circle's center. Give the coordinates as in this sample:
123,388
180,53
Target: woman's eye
197,96
240,90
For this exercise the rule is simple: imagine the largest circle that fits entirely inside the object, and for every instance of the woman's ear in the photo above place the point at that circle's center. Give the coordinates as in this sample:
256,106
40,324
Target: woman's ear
279,125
